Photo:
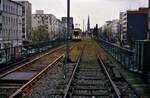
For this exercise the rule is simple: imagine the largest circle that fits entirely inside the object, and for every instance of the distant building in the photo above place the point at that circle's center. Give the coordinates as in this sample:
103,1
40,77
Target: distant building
26,19
60,28
134,25
71,25
10,23
88,24
103,32
115,30
123,26
110,31
48,20
39,11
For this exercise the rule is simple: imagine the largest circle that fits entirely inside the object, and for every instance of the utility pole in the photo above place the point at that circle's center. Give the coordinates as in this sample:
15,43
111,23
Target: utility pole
67,58
68,30
148,33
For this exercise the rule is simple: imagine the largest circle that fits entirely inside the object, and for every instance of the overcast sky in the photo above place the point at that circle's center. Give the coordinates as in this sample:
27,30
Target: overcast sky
99,10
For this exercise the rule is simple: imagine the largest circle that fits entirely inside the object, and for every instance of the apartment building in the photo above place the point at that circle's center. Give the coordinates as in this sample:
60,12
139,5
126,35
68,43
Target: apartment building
53,24
10,23
71,25
26,19
134,25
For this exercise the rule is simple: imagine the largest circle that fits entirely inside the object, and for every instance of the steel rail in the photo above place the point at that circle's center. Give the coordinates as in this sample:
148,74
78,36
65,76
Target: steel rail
7,68
33,60
24,89
66,92
118,94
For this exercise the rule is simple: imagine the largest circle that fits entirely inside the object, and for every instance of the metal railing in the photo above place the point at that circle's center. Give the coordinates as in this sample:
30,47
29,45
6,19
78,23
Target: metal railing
124,56
18,53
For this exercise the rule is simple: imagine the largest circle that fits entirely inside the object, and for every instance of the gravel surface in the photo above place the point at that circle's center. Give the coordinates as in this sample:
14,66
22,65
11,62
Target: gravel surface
48,85
52,85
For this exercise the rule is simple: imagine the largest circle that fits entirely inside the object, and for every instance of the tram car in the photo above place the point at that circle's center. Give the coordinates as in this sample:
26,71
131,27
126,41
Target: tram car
77,34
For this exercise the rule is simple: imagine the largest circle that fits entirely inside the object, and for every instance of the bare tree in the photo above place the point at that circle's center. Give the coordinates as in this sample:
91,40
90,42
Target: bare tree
40,34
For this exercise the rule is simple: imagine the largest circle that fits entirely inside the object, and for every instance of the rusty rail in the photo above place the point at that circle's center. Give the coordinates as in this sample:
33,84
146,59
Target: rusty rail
33,60
26,88
117,92
66,92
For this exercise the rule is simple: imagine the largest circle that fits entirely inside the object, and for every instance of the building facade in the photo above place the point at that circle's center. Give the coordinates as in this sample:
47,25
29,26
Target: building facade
115,30
60,29
26,19
110,31
123,27
134,25
53,25
10,23
71,25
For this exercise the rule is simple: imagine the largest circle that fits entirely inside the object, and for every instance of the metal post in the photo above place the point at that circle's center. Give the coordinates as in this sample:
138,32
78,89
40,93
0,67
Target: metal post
148,21
68,29
67,59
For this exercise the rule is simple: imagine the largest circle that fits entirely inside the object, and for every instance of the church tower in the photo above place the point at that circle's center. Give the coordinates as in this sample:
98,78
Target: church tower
88,23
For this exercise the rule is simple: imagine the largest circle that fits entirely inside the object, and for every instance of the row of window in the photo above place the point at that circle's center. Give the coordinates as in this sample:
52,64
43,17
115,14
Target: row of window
12,8
46,19
7,20
43,16
51,22
10,34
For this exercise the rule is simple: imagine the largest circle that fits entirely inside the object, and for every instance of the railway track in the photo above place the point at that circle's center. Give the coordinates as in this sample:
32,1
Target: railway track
125,88
90,78
4,73
22,61
19,81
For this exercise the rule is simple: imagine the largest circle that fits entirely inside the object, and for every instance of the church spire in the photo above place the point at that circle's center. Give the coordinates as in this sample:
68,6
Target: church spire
88,23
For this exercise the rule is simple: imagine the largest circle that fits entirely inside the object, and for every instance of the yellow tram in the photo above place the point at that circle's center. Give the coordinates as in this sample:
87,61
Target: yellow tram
77,34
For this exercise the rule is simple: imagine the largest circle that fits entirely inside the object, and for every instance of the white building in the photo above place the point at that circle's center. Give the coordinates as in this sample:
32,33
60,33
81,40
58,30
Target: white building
71,25
123,26
60,29
115,29
10,23
48,20
26,19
